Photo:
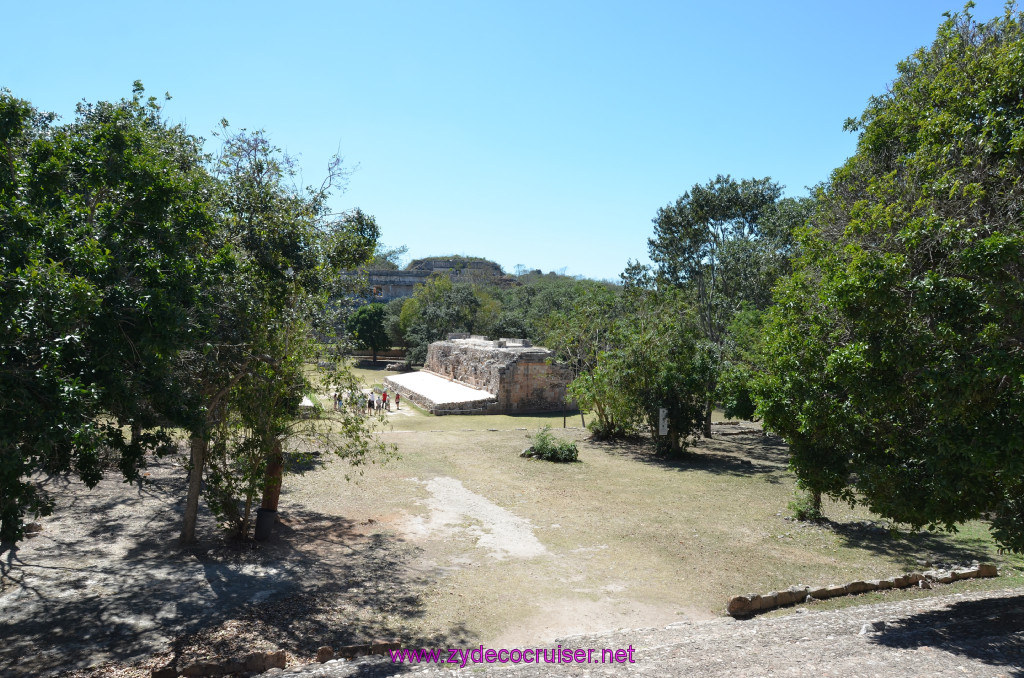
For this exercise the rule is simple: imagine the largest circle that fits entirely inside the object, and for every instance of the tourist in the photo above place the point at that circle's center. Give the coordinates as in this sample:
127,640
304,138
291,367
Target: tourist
370,405
398,401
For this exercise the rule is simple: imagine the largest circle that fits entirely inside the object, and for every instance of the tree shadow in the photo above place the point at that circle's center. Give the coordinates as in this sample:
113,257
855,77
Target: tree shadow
736,455
108,582
883,540
337,564
990,630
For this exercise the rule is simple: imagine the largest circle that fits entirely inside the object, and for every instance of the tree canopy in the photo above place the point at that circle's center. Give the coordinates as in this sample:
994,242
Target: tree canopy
893,359
367,328
106,225
724,243
145,285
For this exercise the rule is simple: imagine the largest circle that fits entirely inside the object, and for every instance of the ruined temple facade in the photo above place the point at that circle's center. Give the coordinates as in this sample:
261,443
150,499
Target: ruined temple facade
512,376
385,285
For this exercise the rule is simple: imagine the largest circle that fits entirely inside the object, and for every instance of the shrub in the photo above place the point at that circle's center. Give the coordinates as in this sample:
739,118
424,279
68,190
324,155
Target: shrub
547,448
806,505
606,430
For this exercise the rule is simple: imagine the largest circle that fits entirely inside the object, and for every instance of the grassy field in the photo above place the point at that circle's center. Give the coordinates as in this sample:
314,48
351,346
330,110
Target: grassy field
629,538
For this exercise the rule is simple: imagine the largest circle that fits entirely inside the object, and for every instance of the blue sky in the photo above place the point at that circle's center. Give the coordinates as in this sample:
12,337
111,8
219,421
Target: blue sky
545,134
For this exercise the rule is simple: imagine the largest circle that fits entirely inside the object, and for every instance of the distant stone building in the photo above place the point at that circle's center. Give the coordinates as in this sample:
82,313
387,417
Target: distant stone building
473,375
385,285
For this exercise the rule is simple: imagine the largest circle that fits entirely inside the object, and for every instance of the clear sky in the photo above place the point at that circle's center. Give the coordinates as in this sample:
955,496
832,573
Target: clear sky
545,134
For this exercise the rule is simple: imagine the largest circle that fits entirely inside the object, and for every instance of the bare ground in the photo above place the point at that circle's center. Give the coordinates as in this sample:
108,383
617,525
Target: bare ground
460,543
106,586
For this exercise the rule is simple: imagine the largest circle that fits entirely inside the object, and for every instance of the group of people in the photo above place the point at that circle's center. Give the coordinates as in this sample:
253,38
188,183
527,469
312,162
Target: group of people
374,402
378,402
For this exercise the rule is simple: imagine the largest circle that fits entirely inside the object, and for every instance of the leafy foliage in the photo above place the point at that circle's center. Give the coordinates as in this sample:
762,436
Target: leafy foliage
639,352
547,448
806,506
725,243
104,225
368,329
437,308
145,285
709,241
894,361
287,248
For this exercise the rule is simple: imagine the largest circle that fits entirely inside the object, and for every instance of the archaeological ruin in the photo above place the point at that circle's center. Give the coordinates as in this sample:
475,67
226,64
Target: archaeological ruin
473,375
384,285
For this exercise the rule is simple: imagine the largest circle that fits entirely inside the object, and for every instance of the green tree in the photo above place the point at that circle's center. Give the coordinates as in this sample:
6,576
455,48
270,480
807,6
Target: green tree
650,357
709,243
286,248
367,328
893,360
435,309
105,224
579,321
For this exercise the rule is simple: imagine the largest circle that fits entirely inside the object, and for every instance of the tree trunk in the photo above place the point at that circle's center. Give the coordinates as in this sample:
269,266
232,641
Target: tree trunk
195,485
374,355
243,529
275,470
708,407
816,503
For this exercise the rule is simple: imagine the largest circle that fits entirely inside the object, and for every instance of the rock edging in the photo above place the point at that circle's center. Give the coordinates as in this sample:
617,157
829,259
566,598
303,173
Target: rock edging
753,603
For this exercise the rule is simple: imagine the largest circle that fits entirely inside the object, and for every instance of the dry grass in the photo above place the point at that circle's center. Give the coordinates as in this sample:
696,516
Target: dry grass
632,538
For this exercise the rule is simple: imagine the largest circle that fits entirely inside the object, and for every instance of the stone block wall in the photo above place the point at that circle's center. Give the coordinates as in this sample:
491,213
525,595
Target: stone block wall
523,377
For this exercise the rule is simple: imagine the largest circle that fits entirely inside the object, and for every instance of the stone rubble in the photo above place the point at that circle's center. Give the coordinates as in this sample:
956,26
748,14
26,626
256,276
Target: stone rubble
752,603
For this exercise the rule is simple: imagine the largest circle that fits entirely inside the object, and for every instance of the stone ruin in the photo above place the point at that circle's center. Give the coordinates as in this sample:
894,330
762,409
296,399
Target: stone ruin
504,376
384,285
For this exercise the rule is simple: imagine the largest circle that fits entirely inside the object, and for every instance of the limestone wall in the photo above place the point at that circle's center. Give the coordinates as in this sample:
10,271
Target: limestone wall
388,285
521,376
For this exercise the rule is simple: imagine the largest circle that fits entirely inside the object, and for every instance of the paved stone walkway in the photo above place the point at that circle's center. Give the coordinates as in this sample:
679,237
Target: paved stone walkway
976,634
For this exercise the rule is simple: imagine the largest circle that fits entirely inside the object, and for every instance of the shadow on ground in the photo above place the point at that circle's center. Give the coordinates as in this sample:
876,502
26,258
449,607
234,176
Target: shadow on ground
990,630
741,455
107,582
882,540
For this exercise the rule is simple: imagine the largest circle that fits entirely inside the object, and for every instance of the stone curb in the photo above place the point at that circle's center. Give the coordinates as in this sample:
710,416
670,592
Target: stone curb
752,603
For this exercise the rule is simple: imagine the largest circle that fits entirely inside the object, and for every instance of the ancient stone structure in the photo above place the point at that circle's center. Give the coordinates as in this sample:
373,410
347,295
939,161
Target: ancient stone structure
385,285
506,376
456,266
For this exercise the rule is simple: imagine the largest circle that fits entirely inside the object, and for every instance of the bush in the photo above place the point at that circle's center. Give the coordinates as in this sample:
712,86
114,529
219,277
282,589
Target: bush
806,506
547,448
605,430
